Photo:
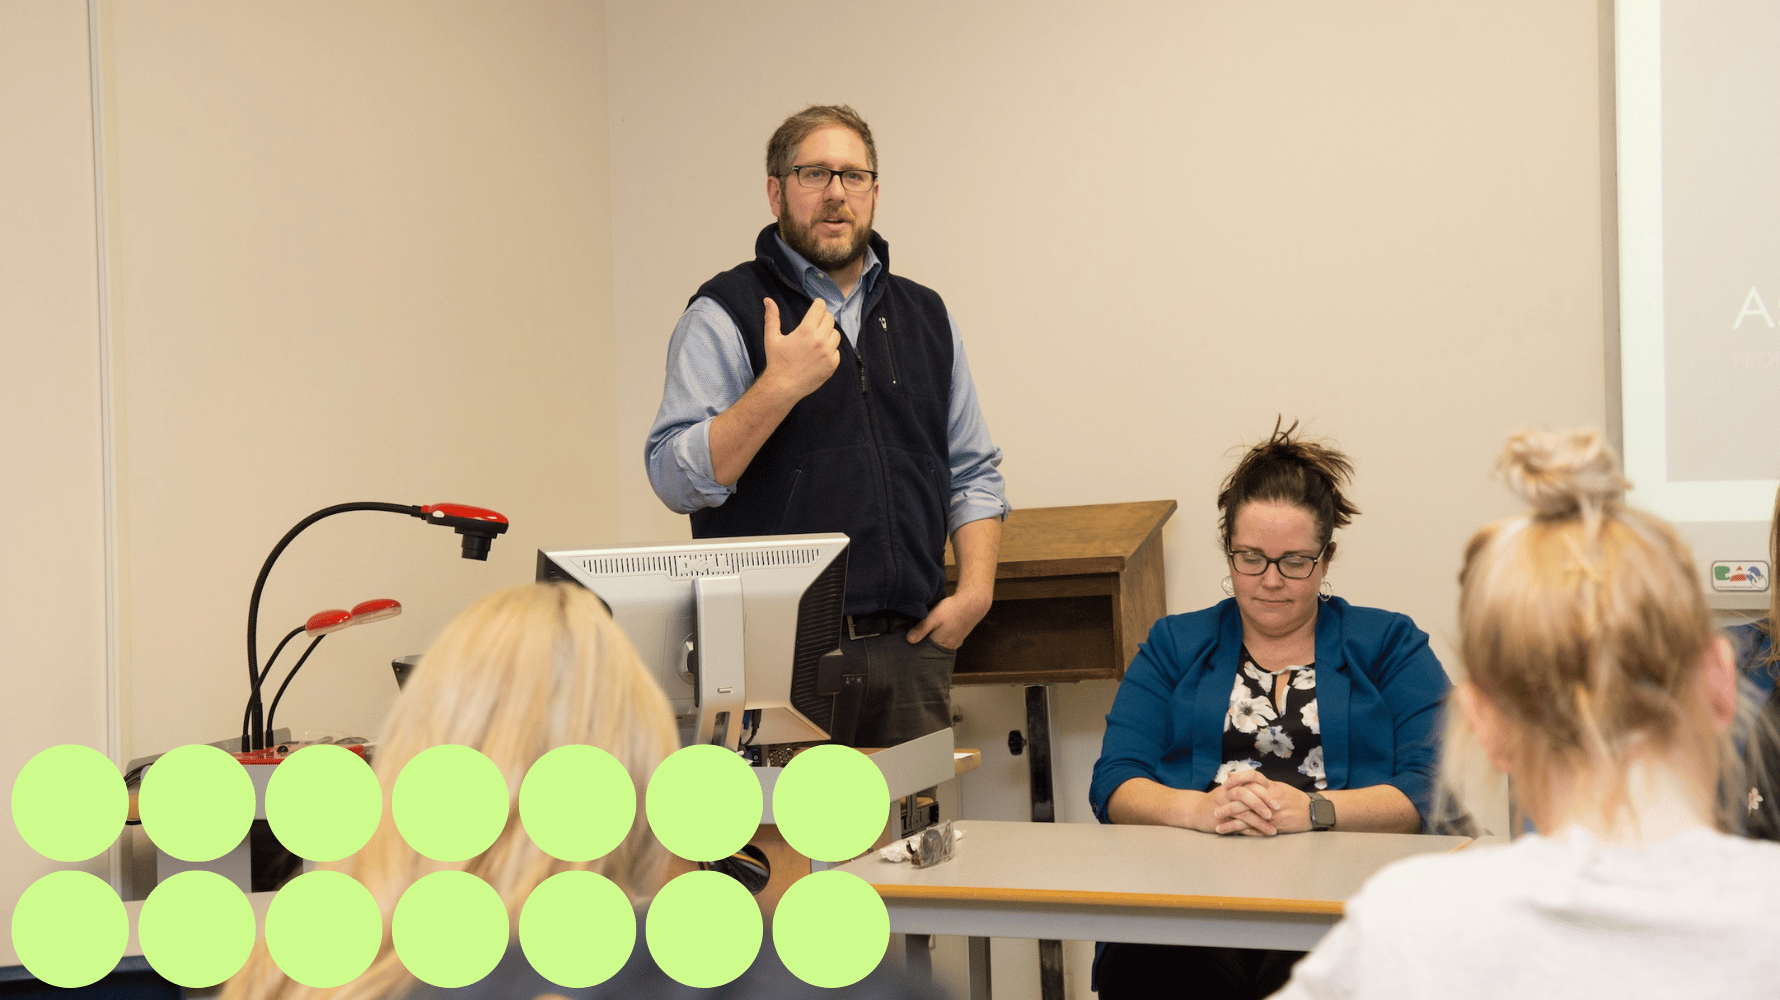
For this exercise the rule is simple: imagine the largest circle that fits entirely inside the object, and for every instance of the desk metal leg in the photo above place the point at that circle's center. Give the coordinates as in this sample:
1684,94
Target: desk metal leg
1050,969
979,968
918,956
1044,810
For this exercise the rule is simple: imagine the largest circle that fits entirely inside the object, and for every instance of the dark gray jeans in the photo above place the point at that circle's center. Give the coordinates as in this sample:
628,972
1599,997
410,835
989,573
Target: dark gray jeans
906,692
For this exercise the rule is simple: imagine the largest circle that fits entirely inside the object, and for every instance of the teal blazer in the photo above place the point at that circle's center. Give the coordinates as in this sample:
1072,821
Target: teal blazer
1379,691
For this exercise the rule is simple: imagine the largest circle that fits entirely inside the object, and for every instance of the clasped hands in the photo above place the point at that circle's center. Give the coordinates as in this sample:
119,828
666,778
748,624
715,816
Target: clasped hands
1250,804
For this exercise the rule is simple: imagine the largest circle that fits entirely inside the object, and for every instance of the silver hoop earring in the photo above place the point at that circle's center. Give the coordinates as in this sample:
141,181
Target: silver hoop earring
1325,591
1229,588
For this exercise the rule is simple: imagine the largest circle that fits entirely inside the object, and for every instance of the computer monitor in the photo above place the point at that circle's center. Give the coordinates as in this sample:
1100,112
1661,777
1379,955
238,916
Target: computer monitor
735,630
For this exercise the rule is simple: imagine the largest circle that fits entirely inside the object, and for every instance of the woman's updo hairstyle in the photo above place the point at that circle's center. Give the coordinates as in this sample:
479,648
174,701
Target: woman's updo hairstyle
1563,473
1287,469
1584,625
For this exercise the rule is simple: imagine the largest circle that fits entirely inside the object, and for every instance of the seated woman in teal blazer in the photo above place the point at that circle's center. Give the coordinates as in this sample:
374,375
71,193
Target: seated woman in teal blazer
1282,710
1378,694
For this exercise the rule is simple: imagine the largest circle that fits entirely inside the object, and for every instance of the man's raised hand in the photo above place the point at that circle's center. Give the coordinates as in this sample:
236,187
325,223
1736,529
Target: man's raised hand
801,360
796,364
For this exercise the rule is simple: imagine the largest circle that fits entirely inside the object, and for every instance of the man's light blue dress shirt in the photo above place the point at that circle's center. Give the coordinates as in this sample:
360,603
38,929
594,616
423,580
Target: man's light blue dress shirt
708,370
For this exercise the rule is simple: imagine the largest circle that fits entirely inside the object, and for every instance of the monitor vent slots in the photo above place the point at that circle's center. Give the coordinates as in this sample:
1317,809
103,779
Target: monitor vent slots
695,565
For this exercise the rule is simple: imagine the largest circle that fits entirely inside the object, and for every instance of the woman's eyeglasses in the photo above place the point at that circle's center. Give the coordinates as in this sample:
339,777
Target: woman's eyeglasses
1292,566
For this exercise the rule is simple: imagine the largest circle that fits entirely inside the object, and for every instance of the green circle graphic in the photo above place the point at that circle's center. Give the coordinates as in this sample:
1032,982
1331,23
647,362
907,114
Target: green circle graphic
704,802
831,929
196,803
196,929
323,929
577,929
703,929
323,802
69,929
69,802
577,803
449,803
449,929
831,803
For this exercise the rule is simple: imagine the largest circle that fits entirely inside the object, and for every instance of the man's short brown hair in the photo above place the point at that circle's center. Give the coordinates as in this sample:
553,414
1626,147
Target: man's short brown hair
791,134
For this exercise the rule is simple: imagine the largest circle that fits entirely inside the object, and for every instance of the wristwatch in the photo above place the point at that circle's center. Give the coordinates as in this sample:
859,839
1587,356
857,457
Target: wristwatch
1322,812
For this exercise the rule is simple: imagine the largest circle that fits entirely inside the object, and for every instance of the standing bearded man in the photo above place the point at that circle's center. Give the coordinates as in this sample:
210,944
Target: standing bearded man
809,390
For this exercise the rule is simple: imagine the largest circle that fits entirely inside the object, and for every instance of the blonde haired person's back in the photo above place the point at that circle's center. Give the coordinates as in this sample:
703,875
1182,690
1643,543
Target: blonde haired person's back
517,674
1594,678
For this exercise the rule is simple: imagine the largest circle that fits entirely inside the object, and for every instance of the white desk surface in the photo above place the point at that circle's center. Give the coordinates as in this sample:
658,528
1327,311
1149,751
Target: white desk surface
1146,884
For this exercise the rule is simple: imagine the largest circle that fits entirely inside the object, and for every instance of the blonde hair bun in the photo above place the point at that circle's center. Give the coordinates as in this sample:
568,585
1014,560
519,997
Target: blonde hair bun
1563,473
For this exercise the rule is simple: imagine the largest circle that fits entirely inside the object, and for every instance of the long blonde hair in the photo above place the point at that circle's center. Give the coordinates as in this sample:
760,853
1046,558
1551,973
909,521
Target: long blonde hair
1583,624
517,674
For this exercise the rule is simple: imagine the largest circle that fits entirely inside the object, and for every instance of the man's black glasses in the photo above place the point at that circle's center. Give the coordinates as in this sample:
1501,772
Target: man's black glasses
856,181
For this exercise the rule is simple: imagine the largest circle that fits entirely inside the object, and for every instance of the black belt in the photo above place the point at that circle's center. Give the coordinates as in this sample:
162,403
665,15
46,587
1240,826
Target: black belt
877,623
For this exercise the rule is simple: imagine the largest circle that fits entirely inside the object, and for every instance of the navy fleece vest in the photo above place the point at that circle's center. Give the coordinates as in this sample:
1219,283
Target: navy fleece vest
866,453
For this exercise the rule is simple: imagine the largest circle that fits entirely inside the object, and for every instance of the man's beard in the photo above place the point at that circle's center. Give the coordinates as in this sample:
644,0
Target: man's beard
801,237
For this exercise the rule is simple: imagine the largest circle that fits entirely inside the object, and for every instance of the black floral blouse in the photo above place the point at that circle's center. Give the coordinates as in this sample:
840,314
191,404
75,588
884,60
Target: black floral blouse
1282,740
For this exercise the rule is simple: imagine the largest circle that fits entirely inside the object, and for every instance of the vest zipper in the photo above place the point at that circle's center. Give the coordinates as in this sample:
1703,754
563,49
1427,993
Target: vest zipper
884,327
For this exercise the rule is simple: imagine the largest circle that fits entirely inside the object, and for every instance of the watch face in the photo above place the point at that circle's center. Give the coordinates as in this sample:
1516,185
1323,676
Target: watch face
1322,813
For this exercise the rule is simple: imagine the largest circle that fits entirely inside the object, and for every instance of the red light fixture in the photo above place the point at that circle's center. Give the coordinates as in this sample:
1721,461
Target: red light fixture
365,612
323,624
327,622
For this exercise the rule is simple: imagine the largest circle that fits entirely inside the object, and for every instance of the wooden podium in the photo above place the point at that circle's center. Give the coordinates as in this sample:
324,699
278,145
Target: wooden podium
1077,589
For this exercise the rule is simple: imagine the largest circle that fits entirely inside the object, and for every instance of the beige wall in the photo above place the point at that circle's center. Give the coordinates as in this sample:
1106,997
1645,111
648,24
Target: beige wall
53,670
356,252
360,252
1158,225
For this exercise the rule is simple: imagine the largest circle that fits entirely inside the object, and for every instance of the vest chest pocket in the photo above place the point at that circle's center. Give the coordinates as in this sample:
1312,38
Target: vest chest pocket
910,368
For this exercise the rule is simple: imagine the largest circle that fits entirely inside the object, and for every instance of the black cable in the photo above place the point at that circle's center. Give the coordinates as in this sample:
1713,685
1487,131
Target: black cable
749,866
252,736
248,711
273,711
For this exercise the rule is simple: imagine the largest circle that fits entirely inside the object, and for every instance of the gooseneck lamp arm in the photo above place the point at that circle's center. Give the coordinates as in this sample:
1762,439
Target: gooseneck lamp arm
247,710
272,713
477,525
270,660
